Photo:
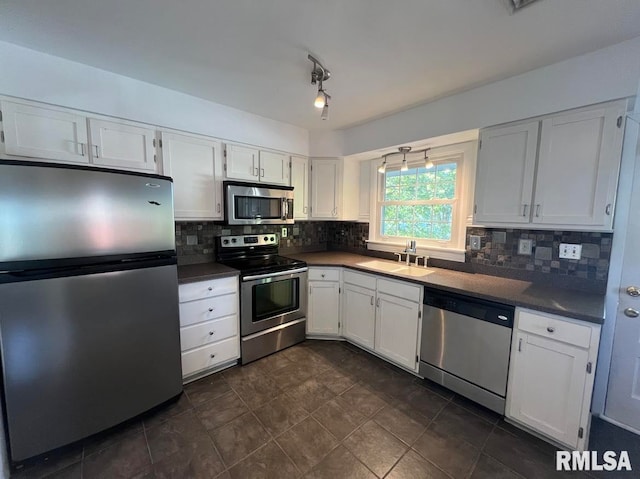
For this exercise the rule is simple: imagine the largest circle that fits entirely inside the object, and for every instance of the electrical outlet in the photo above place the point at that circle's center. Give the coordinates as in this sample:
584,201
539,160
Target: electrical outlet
570,251
474,242
525,246
284,232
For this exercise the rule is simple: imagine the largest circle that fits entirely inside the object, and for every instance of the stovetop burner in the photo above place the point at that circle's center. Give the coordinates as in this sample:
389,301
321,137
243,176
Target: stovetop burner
254,254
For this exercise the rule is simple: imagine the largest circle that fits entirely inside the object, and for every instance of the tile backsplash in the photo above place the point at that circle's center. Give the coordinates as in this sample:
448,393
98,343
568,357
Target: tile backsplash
498,254
195,242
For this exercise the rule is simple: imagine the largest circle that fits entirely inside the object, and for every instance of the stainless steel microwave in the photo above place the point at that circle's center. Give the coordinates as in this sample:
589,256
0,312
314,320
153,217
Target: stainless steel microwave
257,204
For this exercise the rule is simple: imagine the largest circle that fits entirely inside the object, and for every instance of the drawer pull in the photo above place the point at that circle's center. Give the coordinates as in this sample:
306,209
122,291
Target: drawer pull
210,288
213,356
210,310
322,275
211,333
550,329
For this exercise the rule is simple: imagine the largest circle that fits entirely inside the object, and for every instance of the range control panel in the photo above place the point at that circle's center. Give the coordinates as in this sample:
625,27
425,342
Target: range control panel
265,239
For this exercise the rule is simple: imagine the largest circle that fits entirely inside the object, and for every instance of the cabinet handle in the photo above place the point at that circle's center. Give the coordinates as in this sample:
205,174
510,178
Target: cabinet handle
210,288
334,211
211,333
538,210
256,172
305,209
322,275
213,356
607,209
378,303
371,300
97,151
81,147
524,210
262,172
218,207
550,329
211,310
520,345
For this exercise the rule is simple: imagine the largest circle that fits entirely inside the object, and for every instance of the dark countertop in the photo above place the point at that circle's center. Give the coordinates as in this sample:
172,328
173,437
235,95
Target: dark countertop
565,302
203,271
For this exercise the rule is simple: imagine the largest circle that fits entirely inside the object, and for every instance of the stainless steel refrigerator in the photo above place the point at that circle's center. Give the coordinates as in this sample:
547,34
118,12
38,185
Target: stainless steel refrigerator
89,324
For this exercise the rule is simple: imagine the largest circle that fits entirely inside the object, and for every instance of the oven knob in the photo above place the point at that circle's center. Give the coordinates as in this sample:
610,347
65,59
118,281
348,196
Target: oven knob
266,238
233,240
225,242
273,238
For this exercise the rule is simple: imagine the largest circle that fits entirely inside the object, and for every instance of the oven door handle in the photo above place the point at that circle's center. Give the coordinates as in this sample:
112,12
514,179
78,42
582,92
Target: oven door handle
272,275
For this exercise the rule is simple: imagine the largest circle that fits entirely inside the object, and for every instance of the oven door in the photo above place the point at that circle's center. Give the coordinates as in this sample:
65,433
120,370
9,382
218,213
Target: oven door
268,300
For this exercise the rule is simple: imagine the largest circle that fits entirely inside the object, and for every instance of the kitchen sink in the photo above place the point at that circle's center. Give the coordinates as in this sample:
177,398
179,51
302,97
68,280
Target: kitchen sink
395,267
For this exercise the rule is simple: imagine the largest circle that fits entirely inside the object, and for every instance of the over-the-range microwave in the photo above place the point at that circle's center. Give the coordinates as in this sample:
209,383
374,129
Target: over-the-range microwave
257,204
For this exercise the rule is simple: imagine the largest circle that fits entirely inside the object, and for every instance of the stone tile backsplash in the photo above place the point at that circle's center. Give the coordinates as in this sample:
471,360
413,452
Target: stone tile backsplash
499,251
195,242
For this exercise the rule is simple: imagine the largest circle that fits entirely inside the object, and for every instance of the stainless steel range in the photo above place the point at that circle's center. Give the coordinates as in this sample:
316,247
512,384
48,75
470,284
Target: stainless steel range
273,303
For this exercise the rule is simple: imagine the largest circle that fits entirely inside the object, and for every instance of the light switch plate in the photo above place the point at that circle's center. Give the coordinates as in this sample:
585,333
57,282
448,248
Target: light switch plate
474,242
570,251
525,246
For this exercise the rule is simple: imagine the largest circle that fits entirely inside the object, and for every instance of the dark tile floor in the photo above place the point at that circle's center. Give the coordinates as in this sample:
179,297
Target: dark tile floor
321,409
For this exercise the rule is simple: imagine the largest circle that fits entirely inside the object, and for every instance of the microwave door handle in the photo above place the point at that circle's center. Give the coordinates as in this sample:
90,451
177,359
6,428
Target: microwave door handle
285,208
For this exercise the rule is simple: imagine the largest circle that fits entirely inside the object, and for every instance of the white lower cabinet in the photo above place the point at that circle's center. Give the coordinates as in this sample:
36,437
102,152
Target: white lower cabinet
209,335
551,376
382,315
323,314
359,313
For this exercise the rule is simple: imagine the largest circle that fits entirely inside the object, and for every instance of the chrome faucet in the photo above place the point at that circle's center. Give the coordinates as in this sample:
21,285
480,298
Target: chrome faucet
410,250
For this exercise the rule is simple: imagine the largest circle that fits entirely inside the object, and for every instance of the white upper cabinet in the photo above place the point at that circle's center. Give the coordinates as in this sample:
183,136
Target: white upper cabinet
122,145
259,166
44,133
578,166
242,163
577,159
300,183
504,178
195,164
274,168
335,189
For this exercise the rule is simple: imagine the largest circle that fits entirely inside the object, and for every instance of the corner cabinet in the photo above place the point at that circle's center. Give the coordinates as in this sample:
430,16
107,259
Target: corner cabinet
195,164
551,376
559,171
259,166
300,183
334,189
323,314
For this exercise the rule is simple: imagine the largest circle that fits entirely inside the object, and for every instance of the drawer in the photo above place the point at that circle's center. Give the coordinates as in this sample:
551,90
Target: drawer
209,356
324,274
207,309
208,332
400,289
359,279
554,328
207,289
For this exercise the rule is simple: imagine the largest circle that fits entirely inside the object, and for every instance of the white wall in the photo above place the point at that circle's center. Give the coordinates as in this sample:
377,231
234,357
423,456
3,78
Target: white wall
603,75
37,76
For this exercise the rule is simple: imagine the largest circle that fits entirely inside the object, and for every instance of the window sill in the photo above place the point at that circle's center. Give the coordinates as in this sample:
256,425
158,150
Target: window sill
450,254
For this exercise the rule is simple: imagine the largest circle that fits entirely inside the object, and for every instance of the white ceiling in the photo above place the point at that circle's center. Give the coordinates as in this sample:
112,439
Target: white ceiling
384,55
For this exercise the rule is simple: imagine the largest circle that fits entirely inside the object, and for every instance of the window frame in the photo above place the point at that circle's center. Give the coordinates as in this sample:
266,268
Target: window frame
464,155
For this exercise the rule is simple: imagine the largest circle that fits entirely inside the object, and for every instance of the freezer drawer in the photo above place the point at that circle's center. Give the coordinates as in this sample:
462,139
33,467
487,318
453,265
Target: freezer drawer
83,353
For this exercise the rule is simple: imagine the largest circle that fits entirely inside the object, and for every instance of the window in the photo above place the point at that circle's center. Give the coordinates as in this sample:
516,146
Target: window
419,203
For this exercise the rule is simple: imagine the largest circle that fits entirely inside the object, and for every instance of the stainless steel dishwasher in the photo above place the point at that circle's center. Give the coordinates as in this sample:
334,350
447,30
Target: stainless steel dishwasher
465,346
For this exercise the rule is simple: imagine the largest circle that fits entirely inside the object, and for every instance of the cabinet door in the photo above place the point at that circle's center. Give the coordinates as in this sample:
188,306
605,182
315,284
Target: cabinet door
196,168
44,133
274,168
324,188
300,183
578,168
397,329
324,307
242,163
121,145
546,386
504,178
359,315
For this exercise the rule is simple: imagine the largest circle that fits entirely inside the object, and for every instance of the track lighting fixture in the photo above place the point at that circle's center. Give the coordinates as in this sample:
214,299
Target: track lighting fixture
403,150
320,74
